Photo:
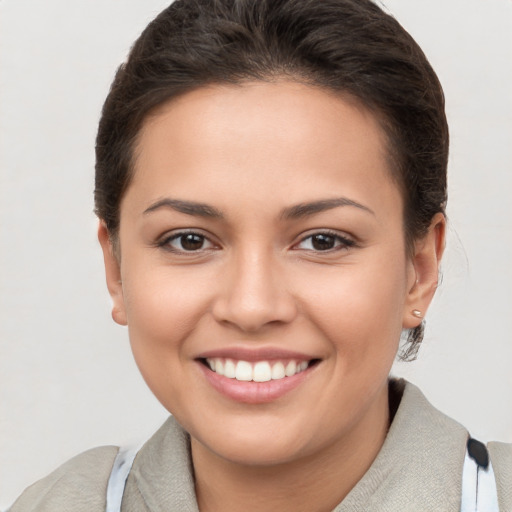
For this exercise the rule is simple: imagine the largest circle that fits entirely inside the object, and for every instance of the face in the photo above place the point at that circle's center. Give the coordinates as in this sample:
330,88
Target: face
263,273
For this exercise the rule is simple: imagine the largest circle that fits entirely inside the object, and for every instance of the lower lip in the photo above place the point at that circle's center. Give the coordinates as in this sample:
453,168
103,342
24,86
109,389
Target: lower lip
254,392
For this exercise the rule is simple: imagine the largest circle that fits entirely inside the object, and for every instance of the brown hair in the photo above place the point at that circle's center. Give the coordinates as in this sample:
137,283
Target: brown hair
348,46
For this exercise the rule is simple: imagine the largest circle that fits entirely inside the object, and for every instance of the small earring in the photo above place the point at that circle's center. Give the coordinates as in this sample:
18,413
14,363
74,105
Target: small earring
417,313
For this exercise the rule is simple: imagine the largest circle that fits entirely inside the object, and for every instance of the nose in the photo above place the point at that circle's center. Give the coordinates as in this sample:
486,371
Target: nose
254,294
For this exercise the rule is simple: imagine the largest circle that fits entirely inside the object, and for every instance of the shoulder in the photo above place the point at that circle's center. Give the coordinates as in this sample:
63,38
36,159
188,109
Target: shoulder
501,459
79,485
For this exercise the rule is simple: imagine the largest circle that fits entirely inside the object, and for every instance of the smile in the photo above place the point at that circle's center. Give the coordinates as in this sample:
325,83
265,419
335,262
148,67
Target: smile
259,371
256,376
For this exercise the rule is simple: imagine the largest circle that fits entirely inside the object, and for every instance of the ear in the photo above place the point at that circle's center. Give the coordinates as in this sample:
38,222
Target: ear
113,275
423,272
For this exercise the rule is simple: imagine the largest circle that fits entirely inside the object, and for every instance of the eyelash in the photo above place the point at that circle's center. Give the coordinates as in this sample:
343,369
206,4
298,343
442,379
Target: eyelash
342,242
165,243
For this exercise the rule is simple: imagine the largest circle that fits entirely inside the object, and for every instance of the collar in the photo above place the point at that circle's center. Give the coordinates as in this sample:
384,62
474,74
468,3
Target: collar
418,467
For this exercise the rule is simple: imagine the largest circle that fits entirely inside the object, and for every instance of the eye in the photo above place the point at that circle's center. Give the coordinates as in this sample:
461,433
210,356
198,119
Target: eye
186,242
324,241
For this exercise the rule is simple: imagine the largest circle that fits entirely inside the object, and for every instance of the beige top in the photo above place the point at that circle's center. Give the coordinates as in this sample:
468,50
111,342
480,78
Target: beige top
419,468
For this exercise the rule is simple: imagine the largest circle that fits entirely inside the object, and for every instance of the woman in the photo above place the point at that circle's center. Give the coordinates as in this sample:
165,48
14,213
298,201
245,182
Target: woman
271,186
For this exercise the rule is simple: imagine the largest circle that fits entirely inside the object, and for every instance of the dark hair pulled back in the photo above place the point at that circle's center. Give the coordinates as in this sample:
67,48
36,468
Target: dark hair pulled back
346,46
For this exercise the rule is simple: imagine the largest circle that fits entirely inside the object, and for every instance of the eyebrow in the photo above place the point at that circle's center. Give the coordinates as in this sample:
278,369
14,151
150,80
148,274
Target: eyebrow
187,207
293,212
306,209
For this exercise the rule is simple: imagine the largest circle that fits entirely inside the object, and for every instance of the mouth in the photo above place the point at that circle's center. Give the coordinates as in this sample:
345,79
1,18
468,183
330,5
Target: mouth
256,380
257,371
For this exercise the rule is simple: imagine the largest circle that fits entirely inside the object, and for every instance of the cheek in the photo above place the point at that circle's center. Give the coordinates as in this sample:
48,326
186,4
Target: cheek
360,307
163,311
163,304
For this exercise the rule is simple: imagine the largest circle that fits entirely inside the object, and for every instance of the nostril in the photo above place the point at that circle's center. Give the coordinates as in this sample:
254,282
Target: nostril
250,313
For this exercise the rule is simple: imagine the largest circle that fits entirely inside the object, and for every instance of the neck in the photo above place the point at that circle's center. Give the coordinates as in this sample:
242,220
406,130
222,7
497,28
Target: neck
316,482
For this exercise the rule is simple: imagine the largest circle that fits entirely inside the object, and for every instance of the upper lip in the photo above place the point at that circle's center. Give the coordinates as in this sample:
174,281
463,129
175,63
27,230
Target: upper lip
255,354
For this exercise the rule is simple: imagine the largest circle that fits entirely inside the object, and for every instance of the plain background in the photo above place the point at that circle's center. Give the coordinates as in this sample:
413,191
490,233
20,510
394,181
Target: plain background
67,379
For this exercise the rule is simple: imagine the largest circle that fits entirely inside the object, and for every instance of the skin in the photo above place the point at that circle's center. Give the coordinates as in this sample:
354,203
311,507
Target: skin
251,153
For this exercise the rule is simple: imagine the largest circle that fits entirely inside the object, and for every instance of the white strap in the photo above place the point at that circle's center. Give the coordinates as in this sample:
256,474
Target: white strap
479,493
117,481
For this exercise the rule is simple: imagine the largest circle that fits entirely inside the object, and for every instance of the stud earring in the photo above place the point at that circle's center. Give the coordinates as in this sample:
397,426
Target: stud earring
417,313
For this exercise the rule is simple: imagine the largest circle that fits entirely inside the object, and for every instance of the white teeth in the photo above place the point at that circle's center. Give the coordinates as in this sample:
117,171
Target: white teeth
229,369
262,371
278,371
243,371
291,369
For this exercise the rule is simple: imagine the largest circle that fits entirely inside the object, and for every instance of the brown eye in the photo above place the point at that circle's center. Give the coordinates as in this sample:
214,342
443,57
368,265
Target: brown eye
191,242
323,242
186,242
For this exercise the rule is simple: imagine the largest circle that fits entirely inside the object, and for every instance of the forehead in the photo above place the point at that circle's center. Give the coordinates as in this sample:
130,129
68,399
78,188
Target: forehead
264,137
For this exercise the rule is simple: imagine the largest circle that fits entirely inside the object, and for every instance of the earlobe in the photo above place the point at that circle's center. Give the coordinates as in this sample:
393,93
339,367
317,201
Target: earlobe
424,272
113,275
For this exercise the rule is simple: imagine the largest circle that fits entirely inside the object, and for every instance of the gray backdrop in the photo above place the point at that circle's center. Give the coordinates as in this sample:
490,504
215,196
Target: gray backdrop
67,380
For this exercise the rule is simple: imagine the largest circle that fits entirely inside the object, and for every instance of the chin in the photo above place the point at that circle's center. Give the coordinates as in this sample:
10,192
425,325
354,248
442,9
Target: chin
256,453
255,443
